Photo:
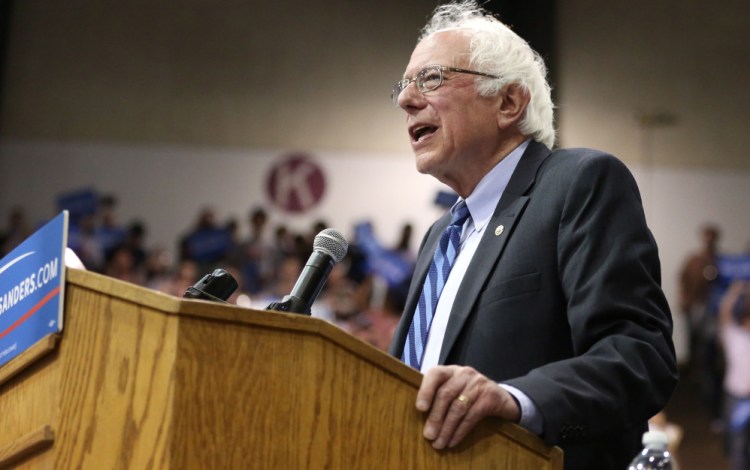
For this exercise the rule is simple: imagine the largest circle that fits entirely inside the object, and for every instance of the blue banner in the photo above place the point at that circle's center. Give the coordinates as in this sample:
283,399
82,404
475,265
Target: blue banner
733,268
32,284
208,245
386,263
730,268
78,203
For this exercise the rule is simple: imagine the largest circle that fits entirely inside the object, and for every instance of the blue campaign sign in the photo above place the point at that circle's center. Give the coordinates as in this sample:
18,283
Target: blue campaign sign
733,268
388,264
78,203
32,284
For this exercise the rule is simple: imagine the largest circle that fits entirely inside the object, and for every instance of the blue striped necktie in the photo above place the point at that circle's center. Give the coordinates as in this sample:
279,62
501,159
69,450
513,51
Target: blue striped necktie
440,267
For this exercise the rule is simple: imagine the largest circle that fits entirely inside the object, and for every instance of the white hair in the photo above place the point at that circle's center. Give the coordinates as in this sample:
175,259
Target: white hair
495,49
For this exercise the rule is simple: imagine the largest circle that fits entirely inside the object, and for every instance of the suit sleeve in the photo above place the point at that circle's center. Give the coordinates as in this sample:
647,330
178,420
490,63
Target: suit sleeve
623,370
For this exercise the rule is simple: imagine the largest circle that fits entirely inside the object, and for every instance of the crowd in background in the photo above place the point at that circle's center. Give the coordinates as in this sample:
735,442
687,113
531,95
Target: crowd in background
367,301
715,301
358,296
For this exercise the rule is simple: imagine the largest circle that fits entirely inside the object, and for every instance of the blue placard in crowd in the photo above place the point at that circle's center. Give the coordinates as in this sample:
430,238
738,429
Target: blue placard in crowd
386,263
78,203
32,284
732,268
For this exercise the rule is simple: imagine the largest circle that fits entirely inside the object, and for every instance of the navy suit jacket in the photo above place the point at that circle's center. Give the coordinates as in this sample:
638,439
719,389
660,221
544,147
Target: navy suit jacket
565,304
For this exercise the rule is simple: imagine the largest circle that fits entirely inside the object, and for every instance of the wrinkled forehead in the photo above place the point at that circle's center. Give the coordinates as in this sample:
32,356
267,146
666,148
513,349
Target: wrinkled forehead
449,47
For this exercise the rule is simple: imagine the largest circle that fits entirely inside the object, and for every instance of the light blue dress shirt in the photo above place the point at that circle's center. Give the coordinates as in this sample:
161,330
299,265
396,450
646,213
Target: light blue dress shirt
481,203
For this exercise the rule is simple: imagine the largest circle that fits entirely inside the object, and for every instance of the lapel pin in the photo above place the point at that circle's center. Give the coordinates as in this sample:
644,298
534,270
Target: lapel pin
499,230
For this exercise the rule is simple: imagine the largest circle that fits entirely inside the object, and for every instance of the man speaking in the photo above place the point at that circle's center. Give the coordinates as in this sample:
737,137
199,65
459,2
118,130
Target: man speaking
537,299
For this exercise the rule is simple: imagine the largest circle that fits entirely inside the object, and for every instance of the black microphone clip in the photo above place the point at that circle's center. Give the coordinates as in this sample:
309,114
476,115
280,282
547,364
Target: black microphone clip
217,286
288,304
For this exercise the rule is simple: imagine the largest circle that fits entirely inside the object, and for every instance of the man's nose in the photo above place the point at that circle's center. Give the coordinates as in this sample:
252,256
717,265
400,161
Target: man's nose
411,97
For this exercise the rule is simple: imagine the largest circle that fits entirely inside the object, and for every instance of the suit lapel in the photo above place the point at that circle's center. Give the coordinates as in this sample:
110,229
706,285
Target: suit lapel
509,210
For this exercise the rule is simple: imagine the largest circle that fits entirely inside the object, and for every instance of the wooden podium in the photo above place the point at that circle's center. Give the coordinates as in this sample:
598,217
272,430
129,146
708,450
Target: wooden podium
143,380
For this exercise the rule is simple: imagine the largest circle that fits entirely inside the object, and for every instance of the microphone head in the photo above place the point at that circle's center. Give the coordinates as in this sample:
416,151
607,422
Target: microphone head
331,242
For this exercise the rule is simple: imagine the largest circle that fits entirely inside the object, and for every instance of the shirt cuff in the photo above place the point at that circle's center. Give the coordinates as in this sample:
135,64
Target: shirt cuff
530,417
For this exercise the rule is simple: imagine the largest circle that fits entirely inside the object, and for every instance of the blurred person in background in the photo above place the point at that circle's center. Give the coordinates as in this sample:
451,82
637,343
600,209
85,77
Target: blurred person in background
208,244
122,266
87,245
108,231
282,246
384,312
157,267
403,247
734,331
698,272
18,230
337,302
254,256
698,304
135,243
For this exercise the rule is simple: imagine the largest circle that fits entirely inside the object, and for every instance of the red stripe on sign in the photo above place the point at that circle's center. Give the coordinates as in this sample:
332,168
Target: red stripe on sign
33,310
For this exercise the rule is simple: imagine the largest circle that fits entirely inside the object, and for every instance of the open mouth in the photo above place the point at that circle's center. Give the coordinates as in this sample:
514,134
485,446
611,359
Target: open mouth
419,132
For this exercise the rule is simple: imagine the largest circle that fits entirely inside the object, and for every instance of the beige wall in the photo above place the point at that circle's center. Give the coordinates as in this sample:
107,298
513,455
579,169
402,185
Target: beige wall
688,59
286,73
300,74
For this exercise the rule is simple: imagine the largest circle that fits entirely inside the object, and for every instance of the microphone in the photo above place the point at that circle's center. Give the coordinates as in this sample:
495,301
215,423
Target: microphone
217,286
329,248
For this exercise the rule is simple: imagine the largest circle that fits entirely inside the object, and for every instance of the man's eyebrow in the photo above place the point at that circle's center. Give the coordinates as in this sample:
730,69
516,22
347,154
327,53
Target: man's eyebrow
419,69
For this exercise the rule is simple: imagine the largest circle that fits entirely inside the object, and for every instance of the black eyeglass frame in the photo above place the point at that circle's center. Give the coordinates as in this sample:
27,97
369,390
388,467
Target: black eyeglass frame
420,78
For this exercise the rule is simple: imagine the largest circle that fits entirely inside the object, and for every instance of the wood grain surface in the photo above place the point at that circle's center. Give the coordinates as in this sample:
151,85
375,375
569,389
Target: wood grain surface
143,380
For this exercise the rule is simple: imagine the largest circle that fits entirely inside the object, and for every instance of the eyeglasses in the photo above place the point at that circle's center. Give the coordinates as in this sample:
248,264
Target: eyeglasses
430,78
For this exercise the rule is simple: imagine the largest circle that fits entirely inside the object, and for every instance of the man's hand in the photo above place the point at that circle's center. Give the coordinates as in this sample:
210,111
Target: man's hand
456,398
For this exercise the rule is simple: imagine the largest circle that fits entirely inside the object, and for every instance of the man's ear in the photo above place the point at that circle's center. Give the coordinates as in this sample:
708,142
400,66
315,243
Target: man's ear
512,106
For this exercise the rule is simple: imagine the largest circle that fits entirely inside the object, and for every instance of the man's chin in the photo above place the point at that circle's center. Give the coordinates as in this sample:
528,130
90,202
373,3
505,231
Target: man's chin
425,163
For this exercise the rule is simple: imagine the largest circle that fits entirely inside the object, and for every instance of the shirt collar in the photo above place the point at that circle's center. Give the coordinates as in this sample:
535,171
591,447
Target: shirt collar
485,197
